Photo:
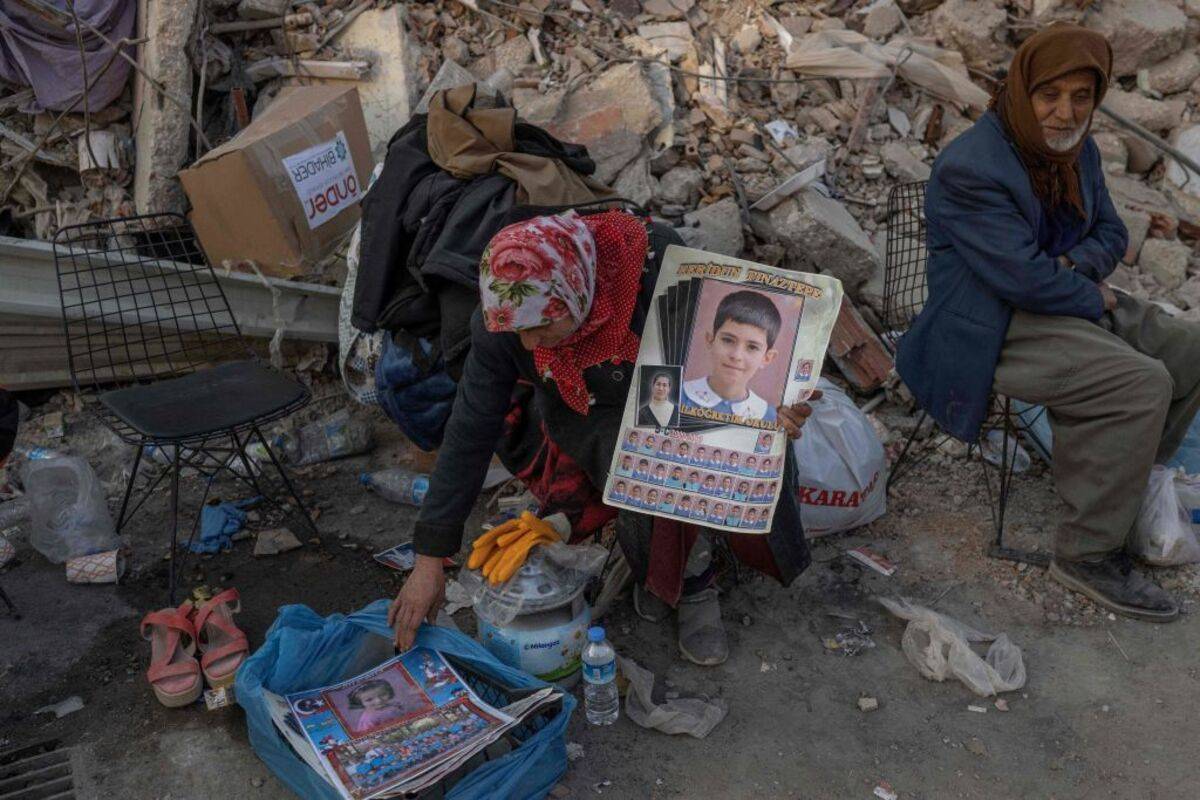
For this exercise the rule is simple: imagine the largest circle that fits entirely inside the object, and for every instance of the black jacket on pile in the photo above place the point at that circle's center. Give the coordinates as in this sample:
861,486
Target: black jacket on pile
423,231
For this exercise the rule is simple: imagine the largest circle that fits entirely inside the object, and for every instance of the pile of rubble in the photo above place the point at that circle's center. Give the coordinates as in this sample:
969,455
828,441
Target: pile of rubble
773,130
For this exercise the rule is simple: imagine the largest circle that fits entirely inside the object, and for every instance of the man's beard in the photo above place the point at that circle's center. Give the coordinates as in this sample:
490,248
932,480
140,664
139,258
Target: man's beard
1065,141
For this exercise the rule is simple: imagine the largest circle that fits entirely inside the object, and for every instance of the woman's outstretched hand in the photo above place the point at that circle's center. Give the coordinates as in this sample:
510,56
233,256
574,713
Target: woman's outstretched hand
421,597
793,417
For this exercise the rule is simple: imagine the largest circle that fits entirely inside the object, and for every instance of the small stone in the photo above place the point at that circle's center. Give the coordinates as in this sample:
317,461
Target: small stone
560,791
882,20
975,746
1166,260
256,782
1001,704
868,704
747,39
716,228
977,709
681,185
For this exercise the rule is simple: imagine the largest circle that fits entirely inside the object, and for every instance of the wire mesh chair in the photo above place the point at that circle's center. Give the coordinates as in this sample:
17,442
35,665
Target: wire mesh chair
155,352
905,293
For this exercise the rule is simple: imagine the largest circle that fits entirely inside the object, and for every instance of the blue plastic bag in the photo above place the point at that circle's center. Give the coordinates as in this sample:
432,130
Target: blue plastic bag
303,650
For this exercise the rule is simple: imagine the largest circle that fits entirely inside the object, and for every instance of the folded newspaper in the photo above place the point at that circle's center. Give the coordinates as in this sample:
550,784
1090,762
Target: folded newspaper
396,729
726,343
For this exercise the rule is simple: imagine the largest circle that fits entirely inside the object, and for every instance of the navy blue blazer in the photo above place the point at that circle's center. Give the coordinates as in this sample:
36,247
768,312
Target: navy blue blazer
987,237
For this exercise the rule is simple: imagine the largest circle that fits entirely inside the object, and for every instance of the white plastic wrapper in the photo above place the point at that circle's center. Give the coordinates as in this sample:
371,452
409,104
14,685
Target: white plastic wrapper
1163,533
940,647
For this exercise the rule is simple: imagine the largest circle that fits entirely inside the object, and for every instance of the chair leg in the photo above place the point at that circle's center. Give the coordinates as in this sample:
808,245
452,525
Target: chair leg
898,468
11,608
1008,460
172,573
286,481
137,462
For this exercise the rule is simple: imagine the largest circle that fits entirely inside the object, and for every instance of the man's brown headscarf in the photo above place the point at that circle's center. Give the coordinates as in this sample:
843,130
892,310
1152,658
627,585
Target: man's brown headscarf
1047,56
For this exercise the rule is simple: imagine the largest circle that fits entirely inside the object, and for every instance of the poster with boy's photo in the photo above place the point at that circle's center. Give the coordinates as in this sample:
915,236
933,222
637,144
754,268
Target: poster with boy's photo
726,343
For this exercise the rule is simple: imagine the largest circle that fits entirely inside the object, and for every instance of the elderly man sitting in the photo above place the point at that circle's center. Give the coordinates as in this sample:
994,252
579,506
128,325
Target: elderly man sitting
1021,236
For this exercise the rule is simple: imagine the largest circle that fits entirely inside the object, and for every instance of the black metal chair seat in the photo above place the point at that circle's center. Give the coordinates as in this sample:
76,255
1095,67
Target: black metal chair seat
234,395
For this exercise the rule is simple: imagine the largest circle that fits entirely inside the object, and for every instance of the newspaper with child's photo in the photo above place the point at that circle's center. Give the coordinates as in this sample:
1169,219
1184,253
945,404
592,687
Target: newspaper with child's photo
726,343
382,731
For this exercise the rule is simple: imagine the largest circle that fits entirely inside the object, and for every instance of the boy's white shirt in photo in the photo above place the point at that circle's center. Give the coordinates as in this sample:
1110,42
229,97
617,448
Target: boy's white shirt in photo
701,393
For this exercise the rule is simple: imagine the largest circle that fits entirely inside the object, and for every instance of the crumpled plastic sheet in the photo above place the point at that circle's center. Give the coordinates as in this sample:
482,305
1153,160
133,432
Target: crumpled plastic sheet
939,647
694,716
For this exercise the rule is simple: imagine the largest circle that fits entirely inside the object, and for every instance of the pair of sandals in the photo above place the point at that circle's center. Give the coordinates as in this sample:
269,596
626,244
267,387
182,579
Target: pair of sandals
176,633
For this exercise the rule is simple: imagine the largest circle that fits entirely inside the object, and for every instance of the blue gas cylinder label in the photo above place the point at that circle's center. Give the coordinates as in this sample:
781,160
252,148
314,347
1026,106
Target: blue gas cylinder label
600,673
420,486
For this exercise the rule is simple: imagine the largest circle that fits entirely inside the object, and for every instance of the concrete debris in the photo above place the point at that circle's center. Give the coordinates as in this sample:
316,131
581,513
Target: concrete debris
976,28
681,185
1155,115
1176,74
866,703
819,234
903,164
1188,142
1166,260
1141,32
882,19
716,228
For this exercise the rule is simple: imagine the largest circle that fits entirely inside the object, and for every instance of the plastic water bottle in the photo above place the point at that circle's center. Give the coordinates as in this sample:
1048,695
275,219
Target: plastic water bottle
600,697
14,512
397,485
336,436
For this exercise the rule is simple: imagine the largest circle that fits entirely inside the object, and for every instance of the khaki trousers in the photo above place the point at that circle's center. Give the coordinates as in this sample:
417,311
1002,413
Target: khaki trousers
1120,393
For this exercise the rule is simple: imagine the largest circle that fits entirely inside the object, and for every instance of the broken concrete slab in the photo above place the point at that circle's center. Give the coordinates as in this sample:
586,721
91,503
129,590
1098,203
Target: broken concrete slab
1187,141
882,20
1177,73
820,235
1155,115
976,28
391,90
673,37
1137,224
681,185
1114,155
1141,32
612,116
161,128
1142,155
511,55
747,39
1167,260
635,182
716,228
902,163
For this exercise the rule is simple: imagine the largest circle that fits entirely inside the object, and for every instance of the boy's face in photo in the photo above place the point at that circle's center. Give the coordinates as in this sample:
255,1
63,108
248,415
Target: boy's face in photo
683,449
743,487
668,446
733,459
693,476
626,462
686,504
650,441
710,481
633,438
751,461
652,496
737,352
636,494
677,473
621,487
669,498
716,454
643,464
728,482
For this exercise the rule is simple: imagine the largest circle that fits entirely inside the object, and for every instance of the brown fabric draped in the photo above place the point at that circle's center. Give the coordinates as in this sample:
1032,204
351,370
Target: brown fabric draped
467,141
1047,56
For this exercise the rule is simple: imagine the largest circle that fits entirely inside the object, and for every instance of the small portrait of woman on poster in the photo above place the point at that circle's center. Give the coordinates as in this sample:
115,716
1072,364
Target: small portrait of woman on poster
658,397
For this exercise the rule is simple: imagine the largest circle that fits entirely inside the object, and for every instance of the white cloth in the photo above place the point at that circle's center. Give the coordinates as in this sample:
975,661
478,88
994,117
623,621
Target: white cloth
662,410
700,393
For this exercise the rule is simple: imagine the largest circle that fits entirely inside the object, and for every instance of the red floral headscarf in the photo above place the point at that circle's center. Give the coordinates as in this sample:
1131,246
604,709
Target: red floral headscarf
586,268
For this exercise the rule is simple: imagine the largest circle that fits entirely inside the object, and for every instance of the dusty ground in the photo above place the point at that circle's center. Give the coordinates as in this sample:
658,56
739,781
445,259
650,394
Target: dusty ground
1107,711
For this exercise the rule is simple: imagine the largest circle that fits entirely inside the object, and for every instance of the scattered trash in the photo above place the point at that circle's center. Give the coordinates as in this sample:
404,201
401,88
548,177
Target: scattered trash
601,701
14,512
104,567
275,541
938,646
648,705
397,485
337,436
63,707
219,698
884,791
869,558
1163,534
68,510
574,751
400,557
219,523
7,551
850,641
977,709
867,703
1001,704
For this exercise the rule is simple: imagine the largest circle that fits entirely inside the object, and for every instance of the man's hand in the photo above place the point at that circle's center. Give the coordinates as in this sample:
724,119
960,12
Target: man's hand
422,595
793,417
1110,297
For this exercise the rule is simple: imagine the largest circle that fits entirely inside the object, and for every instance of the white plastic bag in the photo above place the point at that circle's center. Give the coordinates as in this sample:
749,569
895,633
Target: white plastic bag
841,468
1163,534
938,646
68,513
1188,489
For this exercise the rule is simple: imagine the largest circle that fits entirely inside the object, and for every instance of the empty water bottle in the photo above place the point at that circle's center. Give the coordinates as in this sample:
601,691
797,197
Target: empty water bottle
337,436
397,485
600,698
14,512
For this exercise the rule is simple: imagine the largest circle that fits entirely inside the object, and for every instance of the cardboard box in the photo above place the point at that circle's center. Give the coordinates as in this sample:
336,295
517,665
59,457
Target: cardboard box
284,191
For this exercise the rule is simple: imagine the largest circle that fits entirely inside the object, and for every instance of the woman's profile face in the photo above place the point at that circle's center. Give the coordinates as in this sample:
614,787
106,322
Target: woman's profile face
661,389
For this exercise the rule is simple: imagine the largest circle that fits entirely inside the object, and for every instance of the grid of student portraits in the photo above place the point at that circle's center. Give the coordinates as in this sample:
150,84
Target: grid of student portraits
685,478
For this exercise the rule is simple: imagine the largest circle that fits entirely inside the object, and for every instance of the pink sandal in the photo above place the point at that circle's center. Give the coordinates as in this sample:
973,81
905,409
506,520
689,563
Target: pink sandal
174,673
222,644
